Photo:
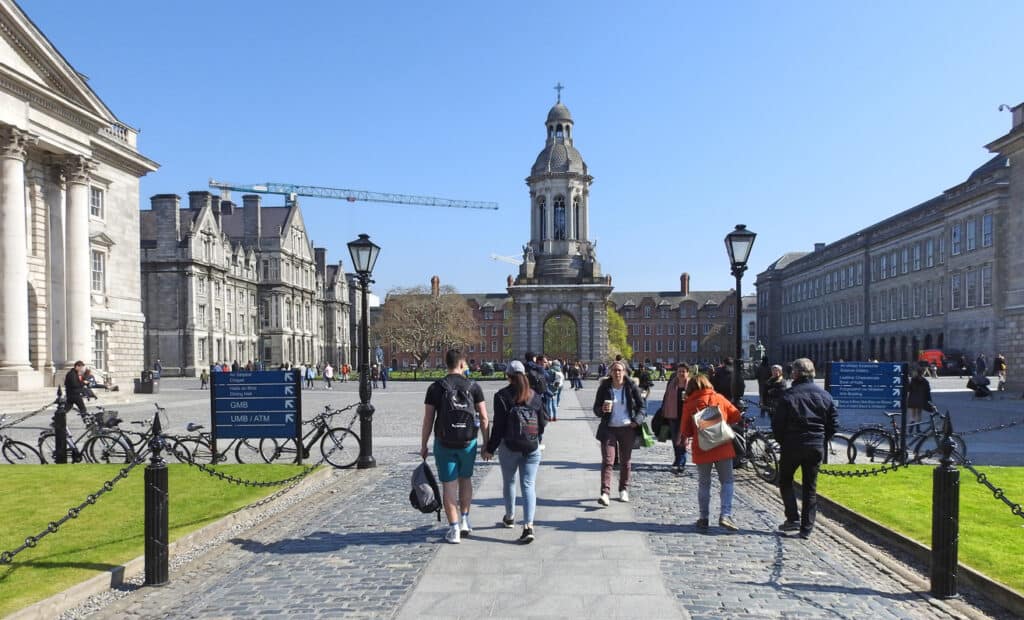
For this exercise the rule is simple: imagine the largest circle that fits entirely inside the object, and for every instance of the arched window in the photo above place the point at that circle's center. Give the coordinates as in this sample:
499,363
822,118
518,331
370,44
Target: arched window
559,136
541,204
559,217
574,232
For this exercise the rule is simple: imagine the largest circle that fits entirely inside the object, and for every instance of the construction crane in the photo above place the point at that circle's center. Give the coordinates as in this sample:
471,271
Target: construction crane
291,192
511,260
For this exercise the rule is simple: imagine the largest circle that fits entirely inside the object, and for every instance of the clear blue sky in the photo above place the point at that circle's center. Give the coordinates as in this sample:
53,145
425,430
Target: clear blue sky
804,120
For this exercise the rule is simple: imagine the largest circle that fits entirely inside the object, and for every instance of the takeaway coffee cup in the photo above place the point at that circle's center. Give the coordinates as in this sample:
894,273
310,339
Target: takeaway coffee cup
608,405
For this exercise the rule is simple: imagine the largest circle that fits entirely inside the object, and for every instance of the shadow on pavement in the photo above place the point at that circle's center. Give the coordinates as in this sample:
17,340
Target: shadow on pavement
322,541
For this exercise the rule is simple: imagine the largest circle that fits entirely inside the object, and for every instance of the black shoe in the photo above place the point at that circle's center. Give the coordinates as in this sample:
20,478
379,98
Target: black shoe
527,536
805,532
702,525
789,526
508,521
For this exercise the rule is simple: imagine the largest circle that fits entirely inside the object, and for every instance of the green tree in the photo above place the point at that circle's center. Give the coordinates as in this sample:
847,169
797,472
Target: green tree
617,344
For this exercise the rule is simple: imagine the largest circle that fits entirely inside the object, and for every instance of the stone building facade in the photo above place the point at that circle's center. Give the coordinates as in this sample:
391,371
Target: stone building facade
224,284
69,287
944,274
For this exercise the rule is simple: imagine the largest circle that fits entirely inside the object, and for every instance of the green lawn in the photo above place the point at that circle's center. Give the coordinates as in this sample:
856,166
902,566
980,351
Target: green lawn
108,533
991,537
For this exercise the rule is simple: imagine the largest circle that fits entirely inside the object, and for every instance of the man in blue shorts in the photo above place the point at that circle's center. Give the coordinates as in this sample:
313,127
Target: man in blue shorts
449,401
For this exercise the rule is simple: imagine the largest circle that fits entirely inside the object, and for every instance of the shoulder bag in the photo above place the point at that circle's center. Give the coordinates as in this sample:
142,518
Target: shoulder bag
712,431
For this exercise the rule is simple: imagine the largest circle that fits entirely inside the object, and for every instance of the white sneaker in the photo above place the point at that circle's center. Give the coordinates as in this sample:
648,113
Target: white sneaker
603,500
624,496
452,535
464,528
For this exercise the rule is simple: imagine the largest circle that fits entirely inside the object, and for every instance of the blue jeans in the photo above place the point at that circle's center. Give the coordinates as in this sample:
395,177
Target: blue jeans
679,458
527,466
549,401
725,478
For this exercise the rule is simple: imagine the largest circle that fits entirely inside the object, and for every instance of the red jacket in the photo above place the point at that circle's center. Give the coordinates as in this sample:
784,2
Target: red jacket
694,403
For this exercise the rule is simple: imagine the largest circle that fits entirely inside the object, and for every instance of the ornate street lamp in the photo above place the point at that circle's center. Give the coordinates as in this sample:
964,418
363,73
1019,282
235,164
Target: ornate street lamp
364,256
738,243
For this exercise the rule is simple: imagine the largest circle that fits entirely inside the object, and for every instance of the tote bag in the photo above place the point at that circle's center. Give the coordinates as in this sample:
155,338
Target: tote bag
712,431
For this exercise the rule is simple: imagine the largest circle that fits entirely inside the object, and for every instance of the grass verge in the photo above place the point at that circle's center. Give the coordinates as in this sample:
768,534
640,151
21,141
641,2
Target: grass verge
991,536
108,533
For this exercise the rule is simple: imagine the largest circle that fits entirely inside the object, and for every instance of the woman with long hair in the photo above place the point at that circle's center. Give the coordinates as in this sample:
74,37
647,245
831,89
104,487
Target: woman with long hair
515,435
700,395
622,410
671,410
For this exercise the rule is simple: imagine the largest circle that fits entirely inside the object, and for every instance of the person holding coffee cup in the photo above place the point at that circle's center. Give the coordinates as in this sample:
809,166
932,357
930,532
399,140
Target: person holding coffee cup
622,410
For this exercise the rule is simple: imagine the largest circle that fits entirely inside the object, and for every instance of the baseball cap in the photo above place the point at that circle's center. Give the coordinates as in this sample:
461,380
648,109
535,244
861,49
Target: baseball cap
515,366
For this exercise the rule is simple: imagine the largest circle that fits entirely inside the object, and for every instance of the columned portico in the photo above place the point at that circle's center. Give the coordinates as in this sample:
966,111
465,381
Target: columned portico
15,371
77,259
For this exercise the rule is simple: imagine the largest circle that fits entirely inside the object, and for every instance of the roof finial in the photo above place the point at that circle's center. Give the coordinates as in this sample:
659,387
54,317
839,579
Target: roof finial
559,88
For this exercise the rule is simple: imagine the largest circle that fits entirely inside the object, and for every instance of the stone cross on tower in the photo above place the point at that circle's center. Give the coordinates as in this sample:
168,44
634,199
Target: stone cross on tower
559,88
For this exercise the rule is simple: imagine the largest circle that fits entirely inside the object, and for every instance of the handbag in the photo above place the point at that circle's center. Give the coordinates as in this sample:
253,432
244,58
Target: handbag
644,437
712,431
658,423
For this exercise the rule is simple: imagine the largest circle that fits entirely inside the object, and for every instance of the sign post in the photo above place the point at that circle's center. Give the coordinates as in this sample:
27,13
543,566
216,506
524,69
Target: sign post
871,385
257,404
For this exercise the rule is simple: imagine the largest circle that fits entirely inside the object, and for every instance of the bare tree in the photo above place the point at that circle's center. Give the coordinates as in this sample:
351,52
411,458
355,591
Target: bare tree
416,322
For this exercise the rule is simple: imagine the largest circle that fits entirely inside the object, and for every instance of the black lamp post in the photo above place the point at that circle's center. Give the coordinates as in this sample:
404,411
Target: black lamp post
738,243
364,255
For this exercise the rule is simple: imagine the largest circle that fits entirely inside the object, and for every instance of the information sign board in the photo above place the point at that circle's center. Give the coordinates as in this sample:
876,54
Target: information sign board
256,404
866,385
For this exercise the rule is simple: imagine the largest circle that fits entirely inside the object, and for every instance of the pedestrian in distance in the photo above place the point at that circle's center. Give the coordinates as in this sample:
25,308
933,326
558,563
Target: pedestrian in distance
455,412
328,375
622,410
375,376
999,365
515,437
700,395
773,388
804,422
671,410
919,397
204,379
981,365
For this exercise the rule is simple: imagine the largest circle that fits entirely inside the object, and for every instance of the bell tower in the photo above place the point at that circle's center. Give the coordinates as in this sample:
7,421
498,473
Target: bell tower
560,277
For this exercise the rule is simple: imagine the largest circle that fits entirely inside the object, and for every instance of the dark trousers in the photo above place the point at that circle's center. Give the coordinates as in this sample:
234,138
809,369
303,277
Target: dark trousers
679,451
76,401
807,458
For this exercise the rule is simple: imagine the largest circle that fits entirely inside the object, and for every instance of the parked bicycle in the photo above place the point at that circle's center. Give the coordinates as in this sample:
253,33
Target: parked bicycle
123,446
17,452
97,426
879,445
761,449
339,446
198,447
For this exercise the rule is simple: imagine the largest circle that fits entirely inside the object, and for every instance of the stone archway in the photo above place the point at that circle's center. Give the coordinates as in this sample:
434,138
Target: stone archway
561,336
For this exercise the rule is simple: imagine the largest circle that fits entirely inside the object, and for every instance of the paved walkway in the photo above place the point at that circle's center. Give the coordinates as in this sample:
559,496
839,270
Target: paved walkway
358,550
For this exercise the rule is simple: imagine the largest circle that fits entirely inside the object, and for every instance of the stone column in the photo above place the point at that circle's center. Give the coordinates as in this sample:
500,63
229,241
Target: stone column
78,259
15,371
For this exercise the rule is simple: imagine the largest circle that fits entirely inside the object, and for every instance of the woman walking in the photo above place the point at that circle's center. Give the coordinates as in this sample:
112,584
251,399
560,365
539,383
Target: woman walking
671,407
619,405
700,395
919,396
518,422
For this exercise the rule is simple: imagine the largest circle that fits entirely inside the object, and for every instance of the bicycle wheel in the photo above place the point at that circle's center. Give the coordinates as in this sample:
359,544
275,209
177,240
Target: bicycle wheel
248,451
340,447
108,449
195,449
276,450
20,453
762,456
926,449
48,449
872,445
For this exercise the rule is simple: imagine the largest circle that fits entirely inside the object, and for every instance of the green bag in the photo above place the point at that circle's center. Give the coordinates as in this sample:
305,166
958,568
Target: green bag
644,437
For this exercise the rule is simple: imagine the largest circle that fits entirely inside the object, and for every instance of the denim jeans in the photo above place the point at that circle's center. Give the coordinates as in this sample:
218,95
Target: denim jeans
725,479
679,457
552,407
527,466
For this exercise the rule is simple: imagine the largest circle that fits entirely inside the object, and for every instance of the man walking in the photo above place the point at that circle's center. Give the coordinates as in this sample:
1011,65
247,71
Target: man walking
328,375
74,387
804,421
454,409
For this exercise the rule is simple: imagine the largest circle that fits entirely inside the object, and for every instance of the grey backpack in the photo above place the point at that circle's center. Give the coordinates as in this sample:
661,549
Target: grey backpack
425,495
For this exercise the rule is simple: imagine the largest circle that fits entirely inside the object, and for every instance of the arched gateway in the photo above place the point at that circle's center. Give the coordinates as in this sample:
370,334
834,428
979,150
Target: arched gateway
561,336
560,280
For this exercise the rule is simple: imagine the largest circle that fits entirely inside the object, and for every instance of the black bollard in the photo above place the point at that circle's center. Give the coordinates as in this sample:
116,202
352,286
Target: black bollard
156,511
60,430
366,459
945,519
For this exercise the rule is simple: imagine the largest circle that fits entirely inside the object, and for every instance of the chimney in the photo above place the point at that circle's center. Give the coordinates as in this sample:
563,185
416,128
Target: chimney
819,247
1018,116
168,218
684,283
198,200
320,256
227,207
251,224
435,286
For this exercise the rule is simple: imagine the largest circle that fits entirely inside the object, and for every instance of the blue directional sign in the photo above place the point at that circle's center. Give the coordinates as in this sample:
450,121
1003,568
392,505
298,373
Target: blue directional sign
866,385
256,404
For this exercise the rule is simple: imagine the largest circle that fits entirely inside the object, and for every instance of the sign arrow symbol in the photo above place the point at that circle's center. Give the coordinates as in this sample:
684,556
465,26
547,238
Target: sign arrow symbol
288,376
289,404
289,390
289,418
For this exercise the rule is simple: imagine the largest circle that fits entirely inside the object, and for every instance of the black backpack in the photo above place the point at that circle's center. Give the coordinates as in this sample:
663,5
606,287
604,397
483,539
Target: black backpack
425,495
522,428
455,424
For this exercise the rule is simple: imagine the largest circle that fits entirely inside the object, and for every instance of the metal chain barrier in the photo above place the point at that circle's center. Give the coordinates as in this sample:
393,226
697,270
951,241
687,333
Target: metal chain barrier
995,427
862,473
333,413
997,492
29,415
188,460
6,557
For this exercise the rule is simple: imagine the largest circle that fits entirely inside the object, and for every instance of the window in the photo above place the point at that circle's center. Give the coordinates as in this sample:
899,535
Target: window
904,260
201,315
671,346
647,330
201,349
647,312
216,318
929,298
929,253
96,202
657,346
954,240
659,330
560,232
986,230
201,285
99,349
917,257
541,217
972,235
971,284
954,292
707,328
942,250
693,346
494,346
986,285
884,263
99,260
892,263
494,330
671,329
488,314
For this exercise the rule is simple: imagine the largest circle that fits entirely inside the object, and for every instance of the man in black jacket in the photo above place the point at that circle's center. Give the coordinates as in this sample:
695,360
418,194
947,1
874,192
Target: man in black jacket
74,387
805,419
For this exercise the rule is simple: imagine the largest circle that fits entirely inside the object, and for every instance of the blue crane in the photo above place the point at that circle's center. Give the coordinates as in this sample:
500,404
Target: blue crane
290,192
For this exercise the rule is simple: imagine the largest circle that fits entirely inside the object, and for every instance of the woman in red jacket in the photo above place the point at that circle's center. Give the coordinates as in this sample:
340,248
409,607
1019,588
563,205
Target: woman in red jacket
699,395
